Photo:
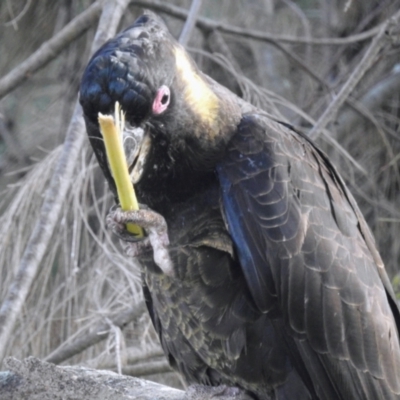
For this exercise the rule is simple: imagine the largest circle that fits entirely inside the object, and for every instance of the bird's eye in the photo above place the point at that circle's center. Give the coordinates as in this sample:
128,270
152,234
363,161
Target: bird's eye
162,99
165,99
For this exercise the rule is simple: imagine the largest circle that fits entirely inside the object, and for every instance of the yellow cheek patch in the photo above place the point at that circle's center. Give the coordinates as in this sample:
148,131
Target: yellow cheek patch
198,95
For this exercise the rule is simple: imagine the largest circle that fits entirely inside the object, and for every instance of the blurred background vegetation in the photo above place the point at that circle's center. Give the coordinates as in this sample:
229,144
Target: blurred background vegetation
84,304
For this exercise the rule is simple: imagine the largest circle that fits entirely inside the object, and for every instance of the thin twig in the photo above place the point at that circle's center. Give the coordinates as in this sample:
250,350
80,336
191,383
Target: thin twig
190,22
371,100
368,59
140,355
100,333
132,355
217,43
54,196
209,24
14,21
50,49
327,136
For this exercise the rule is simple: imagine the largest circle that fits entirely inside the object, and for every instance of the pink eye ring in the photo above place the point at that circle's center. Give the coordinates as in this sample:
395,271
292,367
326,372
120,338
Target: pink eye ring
162,99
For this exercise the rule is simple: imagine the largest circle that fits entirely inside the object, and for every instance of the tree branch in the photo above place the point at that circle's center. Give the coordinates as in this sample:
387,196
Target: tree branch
131,356
14,21
368,59
190,22
371,100
101,332
50,49
209,25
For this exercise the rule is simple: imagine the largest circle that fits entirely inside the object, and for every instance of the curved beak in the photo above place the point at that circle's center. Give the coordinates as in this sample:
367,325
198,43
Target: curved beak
136,144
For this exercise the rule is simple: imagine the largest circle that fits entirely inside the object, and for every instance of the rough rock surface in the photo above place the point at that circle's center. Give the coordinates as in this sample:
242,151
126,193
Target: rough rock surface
34,379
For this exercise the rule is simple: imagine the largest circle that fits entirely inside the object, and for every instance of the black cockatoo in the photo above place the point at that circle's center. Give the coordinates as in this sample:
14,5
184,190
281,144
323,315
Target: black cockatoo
259,271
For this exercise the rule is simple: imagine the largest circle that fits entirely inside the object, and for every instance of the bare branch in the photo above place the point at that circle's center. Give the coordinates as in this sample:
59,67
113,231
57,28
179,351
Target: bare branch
14,21
50,49
327,136
381,91
369,57
54,196
208,24
275,40
190,22
217,44
100,333
132,355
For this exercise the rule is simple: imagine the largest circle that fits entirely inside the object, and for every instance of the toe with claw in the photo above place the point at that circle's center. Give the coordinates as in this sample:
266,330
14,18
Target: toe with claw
156,234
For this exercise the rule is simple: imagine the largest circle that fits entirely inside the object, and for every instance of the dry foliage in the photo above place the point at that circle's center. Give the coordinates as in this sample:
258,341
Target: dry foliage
83,304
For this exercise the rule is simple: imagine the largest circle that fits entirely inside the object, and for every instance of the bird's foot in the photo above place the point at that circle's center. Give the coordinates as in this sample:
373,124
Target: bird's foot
222,392
156,234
